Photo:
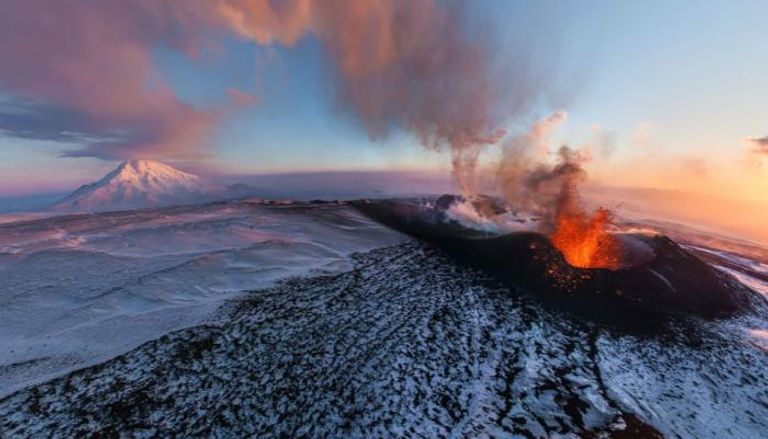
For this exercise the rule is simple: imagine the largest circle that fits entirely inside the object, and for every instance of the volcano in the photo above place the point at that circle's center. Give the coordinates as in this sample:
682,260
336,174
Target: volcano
136,184
656,279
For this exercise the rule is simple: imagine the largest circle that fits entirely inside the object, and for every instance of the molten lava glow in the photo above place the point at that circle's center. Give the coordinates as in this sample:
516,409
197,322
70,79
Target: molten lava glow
585,240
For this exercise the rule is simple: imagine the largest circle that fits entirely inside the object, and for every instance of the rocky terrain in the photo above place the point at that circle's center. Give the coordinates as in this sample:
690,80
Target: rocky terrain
407,344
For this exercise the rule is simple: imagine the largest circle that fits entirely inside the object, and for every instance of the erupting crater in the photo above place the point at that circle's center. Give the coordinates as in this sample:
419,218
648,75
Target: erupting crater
585,240
582,266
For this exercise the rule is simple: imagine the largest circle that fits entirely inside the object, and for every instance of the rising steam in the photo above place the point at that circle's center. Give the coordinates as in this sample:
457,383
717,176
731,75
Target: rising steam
411,64
408,64
521,174
552,192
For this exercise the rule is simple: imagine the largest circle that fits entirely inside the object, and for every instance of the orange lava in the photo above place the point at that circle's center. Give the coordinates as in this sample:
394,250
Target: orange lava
584,239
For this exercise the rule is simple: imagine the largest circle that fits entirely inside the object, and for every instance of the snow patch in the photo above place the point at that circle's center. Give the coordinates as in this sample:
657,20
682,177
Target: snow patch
77,290
136,184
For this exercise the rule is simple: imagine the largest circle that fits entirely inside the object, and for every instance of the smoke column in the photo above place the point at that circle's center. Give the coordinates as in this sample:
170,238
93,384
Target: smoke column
552,191
408,64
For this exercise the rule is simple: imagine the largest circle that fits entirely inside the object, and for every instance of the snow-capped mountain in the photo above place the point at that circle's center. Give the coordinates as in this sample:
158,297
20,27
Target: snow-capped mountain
136,184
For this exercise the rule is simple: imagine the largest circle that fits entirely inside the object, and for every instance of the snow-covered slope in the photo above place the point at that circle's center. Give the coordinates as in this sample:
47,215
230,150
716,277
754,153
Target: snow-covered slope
136,184
78,290
266,319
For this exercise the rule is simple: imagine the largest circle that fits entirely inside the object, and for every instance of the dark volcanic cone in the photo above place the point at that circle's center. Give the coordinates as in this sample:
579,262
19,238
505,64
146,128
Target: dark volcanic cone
659,277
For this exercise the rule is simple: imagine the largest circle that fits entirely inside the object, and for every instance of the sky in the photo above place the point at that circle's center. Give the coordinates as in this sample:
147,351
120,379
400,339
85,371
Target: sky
668,95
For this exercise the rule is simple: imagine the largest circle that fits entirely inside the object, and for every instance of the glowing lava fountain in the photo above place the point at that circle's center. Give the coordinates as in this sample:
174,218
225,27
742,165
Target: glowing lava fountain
585,241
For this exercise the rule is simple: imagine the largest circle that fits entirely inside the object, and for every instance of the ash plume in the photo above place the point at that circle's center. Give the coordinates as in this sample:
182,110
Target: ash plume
551,191
406,64
527,180
523,178
554,188
413,65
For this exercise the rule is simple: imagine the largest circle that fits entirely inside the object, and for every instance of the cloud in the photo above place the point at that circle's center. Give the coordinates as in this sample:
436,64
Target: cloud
758,145
91,61
37,121
414,65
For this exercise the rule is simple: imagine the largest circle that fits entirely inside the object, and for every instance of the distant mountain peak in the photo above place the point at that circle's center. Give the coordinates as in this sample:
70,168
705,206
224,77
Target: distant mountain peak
142,166
136,184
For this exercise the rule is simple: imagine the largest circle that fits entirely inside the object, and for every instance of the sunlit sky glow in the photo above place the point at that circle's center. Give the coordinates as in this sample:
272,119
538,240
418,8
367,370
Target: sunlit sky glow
665,93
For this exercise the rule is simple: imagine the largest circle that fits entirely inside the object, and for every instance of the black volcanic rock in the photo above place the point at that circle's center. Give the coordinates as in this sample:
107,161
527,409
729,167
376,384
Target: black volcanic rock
384,350
406,343
667,281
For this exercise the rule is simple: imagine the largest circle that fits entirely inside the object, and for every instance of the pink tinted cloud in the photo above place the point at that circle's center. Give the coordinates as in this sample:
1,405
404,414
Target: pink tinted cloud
405,63
401,63
93,57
